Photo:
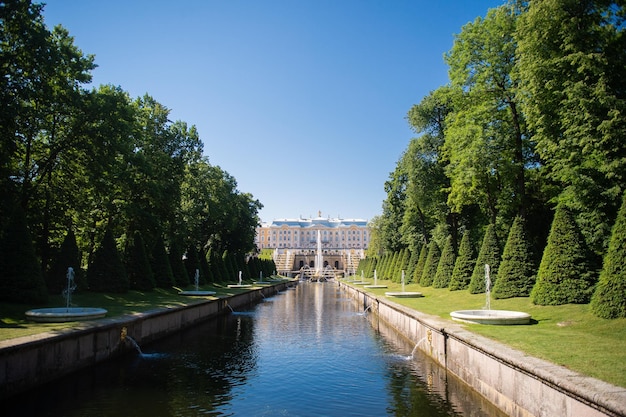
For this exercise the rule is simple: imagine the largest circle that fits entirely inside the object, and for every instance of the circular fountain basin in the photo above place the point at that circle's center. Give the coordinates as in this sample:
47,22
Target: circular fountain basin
239,285
197,293
374,286
360,282
500,317
63,314
404,294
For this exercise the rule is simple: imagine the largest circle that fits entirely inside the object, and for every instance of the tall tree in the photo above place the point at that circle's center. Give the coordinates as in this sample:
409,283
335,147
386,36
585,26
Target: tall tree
489,254
486,139
464,264
572,56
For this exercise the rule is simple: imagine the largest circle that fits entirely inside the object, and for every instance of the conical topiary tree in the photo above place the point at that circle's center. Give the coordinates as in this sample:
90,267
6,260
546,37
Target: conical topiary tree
106,271
609,298
178,268
160,265
517,270
430,266
464,264
445,266
21,278
564,273
419,267
489,254
67,256
138,268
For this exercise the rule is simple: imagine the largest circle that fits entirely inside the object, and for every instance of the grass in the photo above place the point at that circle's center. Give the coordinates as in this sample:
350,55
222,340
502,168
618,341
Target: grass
568,335
13,322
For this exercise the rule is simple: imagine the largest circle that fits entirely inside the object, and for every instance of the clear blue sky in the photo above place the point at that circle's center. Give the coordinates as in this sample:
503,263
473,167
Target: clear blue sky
303,102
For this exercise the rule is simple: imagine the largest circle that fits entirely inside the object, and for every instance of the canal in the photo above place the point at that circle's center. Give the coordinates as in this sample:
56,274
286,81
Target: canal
308,351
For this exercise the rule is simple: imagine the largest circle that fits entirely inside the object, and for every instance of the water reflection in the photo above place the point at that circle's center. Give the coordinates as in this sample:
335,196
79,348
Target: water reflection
308,352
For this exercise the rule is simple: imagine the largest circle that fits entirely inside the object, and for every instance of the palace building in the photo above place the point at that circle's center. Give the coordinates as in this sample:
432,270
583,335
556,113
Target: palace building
295,242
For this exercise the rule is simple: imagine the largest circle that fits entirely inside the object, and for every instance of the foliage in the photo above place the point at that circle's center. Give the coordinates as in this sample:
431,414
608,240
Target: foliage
517,270
178,267
21,279
565,274
67,256
430,266
464,264
445,266
419,267
609,297
489,254
138,268
160,265
578,51
106,271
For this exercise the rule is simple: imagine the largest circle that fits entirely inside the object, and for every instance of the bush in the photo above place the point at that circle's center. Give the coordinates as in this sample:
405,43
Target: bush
490,255
419,267
21,278
140,275
178,268
67,256
160,265
564,273
516,273
430,266
609,298
464,265
445,266
106,272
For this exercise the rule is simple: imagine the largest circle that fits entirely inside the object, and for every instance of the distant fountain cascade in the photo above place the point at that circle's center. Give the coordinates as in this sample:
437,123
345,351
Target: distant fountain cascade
240,283
67,313
319,258
403,293
488,316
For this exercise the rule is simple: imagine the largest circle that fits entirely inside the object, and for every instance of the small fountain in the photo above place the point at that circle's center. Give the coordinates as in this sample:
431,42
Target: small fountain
240,284
488,316
376,282
260,281
67,313
362,281
403,293
197,292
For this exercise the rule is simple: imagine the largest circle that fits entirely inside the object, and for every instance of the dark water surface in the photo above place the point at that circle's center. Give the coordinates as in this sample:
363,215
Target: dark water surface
307,351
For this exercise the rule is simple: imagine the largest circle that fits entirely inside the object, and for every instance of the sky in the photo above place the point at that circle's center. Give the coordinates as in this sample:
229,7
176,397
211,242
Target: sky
303,102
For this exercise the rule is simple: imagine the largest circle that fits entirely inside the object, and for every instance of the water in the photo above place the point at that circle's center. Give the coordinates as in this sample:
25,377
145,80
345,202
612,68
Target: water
306,352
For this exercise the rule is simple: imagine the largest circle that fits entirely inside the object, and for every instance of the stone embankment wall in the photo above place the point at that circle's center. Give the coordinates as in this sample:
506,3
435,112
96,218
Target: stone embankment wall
32,360
518,384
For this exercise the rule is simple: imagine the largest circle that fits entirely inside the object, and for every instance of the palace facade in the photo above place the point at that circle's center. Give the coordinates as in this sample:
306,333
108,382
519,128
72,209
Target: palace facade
295,241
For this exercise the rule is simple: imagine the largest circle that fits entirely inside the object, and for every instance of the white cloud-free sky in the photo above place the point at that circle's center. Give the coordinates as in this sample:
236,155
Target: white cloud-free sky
303,102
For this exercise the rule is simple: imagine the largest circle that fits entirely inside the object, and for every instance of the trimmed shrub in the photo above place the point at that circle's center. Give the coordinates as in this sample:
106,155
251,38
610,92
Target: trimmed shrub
609,298
464,265
160,265
419,267
517,271
138,268
430,266
489,254
67,256
445,266
564,273
178,267
106,272
21,278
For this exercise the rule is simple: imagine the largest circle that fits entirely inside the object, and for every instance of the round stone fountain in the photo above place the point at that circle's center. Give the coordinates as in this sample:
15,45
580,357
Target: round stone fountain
67,313
197,292
375,285
404,294
489,316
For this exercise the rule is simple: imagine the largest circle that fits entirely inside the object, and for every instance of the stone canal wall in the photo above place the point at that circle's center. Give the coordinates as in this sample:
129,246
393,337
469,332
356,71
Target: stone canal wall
32,360
518,384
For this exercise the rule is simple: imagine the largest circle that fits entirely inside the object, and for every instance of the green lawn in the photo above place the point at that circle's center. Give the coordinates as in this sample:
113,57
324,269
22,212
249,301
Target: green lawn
568,335
13,322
